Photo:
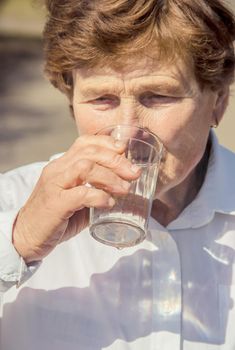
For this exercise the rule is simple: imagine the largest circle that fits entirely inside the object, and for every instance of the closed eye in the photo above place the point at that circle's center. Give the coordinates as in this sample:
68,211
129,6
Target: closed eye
150,99
106,100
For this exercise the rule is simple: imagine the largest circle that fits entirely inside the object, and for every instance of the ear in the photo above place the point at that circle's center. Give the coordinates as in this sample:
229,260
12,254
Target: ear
221,104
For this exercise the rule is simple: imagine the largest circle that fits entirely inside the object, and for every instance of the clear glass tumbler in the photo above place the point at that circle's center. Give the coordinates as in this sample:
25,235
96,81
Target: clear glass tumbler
126,223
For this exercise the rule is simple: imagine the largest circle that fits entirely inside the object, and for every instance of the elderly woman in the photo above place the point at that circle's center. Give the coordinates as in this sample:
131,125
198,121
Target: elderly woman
166,66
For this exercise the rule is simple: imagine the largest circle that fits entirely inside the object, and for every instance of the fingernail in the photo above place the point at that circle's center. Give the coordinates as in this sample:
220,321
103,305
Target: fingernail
134,168
111,202
119,144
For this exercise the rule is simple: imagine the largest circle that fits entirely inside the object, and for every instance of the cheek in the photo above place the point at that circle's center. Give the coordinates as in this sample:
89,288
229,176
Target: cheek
175,167
183,129
89,121
184,133
178,162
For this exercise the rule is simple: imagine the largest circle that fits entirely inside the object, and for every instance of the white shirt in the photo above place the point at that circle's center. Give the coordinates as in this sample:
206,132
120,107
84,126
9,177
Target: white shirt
174,291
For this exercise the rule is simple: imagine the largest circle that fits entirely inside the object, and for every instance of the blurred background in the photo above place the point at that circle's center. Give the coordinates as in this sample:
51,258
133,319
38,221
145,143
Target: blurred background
35,119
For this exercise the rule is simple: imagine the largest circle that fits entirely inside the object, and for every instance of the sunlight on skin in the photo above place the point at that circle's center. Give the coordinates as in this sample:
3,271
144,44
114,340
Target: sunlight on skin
168,101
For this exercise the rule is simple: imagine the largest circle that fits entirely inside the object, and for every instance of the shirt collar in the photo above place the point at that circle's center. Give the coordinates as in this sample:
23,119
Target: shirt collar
217,193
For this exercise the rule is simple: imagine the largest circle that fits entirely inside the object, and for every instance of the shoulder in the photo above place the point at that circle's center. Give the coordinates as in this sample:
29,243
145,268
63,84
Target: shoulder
226,179
17,184
226,167
227,156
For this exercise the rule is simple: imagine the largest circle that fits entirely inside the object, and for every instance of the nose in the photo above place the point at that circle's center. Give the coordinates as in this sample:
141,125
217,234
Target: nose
127,112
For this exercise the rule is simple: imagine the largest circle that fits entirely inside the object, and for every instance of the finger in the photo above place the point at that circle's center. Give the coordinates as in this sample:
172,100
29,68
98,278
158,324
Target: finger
101,155
76,151
112,160
105,141
86,171
80,197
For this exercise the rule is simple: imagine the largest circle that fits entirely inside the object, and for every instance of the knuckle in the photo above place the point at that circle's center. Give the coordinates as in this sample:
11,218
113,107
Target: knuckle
49,171
83,193
81,140
45,174
85,166
116,160
51,167
91,150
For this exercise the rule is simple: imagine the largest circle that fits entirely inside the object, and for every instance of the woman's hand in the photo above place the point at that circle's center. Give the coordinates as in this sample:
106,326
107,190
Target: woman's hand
58,206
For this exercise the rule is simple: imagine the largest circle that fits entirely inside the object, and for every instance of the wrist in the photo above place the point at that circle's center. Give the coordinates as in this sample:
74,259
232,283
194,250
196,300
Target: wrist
23,246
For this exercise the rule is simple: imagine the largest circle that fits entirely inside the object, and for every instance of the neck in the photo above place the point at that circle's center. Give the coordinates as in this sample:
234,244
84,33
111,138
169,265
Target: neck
169,206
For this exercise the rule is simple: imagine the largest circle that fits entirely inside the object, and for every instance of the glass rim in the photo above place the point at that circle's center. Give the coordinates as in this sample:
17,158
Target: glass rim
131,126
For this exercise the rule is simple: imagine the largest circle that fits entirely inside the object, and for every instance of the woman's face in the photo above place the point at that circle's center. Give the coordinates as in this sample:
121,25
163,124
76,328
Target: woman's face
165,99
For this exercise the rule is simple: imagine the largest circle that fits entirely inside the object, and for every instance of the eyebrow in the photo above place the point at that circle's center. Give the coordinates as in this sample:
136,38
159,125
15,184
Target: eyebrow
173,87
162,86
97,90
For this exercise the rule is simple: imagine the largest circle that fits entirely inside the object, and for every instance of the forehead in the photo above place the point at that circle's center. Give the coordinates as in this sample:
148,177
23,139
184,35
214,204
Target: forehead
137,70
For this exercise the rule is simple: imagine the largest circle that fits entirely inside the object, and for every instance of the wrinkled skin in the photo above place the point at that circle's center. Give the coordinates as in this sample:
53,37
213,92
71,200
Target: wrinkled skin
165,99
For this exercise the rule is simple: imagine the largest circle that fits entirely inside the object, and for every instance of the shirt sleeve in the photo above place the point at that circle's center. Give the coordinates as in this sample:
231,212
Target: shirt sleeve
13,270
15,187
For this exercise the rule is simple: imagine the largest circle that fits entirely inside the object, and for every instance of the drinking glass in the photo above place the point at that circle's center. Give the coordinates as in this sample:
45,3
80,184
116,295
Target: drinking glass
126,223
